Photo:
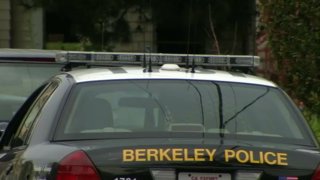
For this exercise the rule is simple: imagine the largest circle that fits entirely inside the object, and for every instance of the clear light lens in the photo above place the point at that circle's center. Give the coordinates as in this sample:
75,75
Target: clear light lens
159,58
248,175
163,174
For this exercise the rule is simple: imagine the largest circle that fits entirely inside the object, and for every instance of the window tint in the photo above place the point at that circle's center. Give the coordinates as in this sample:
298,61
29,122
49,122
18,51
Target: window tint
258,110
18,81
165,107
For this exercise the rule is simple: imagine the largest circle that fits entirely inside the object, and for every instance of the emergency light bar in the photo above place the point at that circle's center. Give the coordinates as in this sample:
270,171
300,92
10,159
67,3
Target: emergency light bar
28,55
157,59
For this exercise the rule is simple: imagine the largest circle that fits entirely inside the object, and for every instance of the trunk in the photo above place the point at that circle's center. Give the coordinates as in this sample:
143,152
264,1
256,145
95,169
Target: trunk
197,159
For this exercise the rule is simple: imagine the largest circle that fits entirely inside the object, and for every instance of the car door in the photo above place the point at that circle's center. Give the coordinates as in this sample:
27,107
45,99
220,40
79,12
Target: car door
16,138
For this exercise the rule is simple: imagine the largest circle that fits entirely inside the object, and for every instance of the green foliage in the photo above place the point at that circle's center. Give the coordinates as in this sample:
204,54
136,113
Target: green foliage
205,18
314,122
65,46
294,36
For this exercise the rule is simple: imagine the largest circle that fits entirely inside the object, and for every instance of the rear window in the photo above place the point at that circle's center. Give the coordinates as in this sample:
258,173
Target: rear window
18,81
178,108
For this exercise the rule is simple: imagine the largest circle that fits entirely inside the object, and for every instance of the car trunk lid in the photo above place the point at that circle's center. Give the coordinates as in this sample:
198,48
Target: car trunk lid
193,159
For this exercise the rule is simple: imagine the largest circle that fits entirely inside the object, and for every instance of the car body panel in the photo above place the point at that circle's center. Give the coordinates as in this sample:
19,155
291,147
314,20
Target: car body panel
178,155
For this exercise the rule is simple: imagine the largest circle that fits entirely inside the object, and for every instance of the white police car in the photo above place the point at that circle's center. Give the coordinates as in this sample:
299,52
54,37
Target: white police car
177,121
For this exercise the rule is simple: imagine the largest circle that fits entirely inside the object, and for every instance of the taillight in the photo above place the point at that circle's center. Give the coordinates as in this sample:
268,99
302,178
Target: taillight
76,166
316,175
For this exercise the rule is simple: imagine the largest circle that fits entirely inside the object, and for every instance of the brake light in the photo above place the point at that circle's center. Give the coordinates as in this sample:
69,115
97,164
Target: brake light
316,175
76,166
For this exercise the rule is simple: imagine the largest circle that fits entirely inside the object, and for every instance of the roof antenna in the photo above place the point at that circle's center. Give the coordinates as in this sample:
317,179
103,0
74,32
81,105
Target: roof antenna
150,65
193,66
67,67
147,49
144,65
188,35
187,63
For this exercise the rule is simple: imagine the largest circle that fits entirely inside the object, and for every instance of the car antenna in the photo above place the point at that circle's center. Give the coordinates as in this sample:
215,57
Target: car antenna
187,63
144,65
67,67
193,66
150,65
188,37
147,49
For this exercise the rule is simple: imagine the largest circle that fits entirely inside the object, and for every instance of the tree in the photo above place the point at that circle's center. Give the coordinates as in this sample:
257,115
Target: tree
294,36
221,24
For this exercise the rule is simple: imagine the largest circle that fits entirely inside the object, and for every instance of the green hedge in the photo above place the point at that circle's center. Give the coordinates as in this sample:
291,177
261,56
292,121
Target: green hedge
293,28
314,121
64,46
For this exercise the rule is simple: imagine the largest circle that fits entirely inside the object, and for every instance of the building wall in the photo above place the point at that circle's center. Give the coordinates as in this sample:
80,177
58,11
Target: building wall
27,26
20,27
5,23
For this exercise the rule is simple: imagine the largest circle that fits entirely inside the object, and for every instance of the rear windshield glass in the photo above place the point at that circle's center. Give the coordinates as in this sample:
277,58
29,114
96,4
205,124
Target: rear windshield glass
18,81
178,108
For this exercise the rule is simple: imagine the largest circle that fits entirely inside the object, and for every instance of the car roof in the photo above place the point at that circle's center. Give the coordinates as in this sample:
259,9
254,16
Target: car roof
122,73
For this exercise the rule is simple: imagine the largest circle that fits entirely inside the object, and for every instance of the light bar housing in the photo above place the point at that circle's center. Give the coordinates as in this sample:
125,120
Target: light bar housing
8,55
158,59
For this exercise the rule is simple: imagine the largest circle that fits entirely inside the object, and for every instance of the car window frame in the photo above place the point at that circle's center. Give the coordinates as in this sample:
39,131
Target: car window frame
38,97
33,113
17,118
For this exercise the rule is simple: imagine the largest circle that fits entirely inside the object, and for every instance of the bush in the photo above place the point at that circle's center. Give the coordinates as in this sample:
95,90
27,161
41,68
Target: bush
293,28
314,122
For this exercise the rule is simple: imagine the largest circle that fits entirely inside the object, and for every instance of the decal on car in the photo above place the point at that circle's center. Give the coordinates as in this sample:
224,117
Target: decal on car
202,155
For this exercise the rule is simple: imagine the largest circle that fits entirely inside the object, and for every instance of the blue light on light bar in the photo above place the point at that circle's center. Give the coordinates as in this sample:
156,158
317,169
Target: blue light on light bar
158,58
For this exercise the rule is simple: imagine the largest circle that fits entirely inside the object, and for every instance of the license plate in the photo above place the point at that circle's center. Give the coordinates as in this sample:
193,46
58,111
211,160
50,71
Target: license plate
203,176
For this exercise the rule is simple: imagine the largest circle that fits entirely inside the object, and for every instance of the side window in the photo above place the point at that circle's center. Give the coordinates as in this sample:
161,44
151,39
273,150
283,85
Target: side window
21,137
19,82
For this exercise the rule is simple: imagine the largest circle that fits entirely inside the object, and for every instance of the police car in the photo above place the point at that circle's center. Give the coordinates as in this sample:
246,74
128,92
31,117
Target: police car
137,116
21,72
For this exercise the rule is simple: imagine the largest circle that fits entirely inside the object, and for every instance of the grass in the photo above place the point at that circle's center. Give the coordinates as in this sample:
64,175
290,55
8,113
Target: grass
64,46
314,122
